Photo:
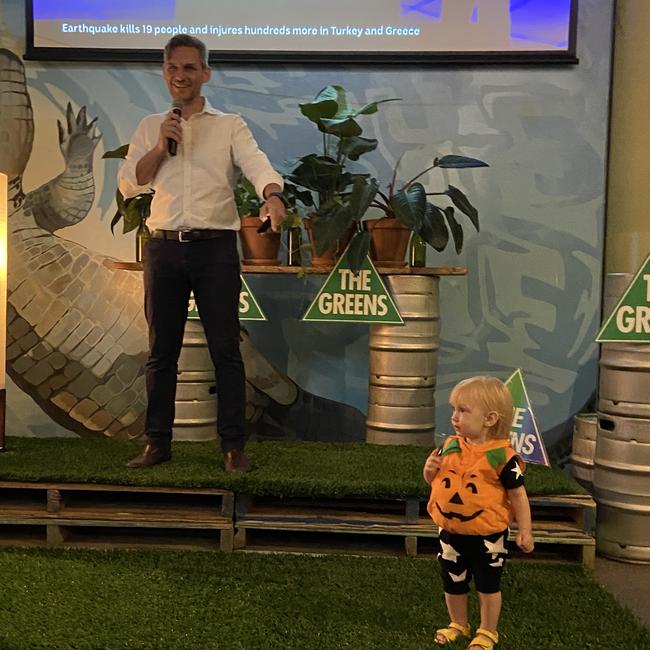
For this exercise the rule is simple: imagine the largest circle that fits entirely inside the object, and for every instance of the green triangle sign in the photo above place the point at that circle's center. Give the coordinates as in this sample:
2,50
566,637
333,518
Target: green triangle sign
249,308
524,435
630,320
348,297
192,311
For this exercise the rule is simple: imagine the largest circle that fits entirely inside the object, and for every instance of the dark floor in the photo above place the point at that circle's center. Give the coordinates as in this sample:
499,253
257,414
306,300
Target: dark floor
629,583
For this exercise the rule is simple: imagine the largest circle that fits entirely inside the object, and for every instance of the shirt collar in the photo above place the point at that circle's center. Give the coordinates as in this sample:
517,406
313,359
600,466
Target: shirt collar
208,108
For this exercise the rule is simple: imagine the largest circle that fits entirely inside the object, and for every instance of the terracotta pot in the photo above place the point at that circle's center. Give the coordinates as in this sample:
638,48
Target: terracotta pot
329,257
389,240
258,250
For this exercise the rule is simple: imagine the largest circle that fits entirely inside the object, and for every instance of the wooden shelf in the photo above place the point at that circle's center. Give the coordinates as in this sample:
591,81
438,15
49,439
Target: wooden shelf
312,270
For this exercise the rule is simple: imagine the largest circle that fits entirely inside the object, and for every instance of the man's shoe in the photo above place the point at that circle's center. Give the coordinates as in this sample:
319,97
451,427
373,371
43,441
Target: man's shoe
235,461
153,454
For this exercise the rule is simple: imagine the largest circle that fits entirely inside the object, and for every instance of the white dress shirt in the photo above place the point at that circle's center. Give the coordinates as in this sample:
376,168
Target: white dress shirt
194,189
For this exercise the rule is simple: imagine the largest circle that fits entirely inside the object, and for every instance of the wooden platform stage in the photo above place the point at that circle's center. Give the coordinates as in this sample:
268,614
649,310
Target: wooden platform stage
89,515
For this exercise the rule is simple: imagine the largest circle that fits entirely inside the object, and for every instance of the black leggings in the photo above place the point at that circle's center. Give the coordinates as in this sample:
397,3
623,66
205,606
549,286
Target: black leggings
462,557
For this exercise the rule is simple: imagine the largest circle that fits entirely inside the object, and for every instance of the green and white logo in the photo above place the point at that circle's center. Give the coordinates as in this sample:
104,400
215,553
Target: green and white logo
524,435
352,297
249,308
630,320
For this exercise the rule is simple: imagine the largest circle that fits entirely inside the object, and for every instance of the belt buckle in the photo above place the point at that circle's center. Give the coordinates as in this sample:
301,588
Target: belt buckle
184,232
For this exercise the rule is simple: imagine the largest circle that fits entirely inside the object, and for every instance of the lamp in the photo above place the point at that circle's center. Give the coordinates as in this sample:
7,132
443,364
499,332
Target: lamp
3,304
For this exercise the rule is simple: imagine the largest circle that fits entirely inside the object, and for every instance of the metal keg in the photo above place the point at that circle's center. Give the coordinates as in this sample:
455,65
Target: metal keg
622,488
624,384
583,448
195,403
403,365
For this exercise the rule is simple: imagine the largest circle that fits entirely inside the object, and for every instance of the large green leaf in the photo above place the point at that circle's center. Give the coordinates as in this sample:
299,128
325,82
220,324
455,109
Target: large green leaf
330,102
246,199
330,222
358,249
120,152
344,127
458,162
362,194
115,220
355,147
371,108
293,194
456,229
433,230
459,199
318,173
135,212
409,205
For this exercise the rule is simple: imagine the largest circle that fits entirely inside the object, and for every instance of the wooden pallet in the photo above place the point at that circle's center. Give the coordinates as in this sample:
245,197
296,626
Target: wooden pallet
562,526
110,516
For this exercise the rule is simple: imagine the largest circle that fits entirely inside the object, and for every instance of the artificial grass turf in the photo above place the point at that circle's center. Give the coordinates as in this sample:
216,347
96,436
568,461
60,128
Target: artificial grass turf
287,469
55,599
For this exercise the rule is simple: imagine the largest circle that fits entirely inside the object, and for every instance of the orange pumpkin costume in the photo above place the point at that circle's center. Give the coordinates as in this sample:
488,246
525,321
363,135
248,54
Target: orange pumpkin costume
469,493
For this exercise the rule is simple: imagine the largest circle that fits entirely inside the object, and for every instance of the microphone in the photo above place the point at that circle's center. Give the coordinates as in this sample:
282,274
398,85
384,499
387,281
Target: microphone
172,145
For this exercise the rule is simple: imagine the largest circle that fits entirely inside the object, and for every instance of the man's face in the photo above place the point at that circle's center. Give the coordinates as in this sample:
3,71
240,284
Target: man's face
184,74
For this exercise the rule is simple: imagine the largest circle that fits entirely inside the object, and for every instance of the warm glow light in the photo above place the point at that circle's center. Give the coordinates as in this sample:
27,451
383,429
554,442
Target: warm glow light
3,277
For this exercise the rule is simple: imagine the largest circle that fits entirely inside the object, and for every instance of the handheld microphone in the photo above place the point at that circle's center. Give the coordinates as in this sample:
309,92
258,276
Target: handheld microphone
172,145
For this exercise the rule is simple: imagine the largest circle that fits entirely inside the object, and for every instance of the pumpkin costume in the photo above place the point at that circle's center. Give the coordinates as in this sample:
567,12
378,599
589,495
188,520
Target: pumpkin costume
469,502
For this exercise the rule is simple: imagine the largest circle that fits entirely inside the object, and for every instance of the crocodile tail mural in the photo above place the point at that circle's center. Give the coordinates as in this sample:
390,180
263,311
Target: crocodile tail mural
76,334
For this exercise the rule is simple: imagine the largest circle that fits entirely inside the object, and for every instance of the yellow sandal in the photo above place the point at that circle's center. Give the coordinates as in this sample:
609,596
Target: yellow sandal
484,639
451,633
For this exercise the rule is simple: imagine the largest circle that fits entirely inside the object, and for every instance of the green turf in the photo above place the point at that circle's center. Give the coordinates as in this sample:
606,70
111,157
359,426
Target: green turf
280,468
54,599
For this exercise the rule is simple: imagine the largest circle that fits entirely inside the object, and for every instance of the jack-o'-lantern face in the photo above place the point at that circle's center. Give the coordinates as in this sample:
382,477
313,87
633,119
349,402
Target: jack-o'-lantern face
456,490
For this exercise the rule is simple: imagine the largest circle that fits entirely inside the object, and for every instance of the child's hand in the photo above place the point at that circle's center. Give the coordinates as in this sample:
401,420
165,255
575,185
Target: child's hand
525,541
432,465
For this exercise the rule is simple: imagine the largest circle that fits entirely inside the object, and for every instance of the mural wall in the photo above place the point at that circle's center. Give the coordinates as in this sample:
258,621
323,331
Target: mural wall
531,298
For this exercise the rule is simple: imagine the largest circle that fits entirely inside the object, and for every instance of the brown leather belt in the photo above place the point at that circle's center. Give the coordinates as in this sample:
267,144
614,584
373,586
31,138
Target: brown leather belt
188,235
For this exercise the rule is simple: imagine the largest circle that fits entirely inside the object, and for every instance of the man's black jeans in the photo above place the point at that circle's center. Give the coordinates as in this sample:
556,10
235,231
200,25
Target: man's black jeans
209,268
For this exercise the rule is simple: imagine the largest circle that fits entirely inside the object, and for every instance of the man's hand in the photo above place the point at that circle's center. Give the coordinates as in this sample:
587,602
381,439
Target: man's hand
273,208
170,127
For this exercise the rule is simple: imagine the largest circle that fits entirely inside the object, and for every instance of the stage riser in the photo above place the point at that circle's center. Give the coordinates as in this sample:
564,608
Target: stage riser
565,524
113,516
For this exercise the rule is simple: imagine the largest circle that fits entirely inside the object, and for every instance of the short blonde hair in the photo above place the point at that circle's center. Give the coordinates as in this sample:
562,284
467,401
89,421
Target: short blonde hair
492,395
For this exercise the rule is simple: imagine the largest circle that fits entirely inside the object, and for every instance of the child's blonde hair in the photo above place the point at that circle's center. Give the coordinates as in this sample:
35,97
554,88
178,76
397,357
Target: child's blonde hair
491,394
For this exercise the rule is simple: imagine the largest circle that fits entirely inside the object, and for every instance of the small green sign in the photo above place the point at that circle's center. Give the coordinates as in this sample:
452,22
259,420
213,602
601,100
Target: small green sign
630,320
249,308
524,435
351,297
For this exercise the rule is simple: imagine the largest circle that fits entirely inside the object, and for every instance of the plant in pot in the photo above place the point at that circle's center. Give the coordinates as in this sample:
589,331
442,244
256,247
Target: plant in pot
322,181
133,211
409,214
257,249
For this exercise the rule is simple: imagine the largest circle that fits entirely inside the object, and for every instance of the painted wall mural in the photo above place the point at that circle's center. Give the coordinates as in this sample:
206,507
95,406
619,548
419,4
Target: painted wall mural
531,298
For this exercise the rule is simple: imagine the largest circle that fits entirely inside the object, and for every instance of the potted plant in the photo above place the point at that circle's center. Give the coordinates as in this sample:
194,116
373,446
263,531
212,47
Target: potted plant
408,213
133,211
322,181
257,249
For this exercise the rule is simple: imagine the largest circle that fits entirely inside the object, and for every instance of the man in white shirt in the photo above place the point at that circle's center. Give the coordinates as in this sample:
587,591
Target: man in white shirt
192,157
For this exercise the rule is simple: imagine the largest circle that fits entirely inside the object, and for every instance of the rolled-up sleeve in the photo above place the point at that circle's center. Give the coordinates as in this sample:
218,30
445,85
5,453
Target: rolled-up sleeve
138,147
252,161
